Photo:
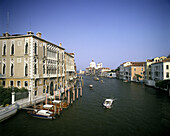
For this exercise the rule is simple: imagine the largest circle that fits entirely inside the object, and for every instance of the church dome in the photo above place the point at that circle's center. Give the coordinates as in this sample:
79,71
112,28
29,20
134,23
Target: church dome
92,64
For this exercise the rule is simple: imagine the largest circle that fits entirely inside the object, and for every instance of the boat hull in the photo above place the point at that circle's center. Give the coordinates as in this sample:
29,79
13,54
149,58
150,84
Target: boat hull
42,116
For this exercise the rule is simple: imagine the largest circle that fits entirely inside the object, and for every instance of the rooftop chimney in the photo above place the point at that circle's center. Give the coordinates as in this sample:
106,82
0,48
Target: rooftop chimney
29,33
60,44
38,34
6,34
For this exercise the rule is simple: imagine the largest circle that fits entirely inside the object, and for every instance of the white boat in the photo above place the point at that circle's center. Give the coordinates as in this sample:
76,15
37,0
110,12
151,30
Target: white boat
125,81
108,103
7,112
96,78
91,86
43,114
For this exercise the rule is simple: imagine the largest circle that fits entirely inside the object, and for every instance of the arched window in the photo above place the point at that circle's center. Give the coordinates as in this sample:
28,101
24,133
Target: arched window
35,69
4,49
12,49
12,69
26,48
26,70
35,49
4,69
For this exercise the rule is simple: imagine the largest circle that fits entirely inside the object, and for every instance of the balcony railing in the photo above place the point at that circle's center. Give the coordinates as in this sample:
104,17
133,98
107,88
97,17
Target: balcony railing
2,76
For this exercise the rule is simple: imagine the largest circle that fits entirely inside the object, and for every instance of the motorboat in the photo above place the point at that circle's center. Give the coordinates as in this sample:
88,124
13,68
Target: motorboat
125,81
43,114
91,86
96,78
108,103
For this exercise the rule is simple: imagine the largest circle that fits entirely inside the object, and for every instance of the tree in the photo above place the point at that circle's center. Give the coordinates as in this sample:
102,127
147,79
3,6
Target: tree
5,94
162,84
138,76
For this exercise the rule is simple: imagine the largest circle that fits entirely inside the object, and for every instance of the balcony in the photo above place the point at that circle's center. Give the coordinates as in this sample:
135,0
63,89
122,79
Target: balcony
45,76
2,76
37,76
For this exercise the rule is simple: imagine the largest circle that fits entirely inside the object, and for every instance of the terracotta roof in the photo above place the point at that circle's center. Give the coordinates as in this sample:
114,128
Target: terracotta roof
138,63
166,60
148,60
69,54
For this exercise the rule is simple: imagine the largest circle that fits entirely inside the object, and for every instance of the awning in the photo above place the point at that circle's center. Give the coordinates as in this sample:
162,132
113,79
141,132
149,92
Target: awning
47,106
56,101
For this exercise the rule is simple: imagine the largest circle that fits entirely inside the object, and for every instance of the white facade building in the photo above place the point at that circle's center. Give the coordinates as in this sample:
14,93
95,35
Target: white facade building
93,64
161,70
99,65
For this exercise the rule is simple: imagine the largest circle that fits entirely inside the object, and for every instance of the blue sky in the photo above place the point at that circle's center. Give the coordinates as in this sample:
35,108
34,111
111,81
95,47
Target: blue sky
108,31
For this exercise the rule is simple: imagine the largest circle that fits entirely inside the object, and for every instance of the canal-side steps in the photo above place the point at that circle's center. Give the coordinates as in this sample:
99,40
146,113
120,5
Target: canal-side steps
23,103
8,111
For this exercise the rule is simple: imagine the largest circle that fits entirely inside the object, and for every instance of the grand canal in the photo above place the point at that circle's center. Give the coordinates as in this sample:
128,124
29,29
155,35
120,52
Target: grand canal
138,111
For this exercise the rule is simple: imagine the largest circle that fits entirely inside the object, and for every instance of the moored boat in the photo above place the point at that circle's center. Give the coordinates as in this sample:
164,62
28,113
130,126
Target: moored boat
125,81
43,114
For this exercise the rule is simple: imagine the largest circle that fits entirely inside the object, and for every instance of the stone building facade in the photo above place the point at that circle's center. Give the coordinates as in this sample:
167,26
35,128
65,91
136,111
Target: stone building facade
31,62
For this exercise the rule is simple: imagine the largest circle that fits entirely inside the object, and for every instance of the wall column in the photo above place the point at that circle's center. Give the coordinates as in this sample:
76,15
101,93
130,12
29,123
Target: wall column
13,97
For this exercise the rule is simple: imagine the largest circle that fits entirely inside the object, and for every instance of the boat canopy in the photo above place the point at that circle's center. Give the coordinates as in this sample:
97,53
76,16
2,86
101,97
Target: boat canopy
44,112
47,106
56,101
109,100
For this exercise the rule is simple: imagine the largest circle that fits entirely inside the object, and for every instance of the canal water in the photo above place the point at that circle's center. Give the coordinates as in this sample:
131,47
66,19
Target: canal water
138,111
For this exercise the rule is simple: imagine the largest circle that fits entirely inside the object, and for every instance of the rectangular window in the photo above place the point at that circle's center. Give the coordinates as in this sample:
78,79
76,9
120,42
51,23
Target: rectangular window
43,90
134,69
44,82
3,83
25,83
35,93
11,83
167,74
35,83
167,66
18,83
44,50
